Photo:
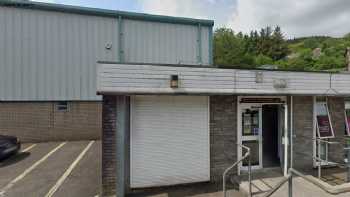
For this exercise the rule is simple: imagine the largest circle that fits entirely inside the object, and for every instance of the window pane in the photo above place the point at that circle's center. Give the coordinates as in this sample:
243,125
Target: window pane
254,152
321,109
250,122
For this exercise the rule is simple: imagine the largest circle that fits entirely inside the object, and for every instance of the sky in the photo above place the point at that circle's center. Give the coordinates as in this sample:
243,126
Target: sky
297,18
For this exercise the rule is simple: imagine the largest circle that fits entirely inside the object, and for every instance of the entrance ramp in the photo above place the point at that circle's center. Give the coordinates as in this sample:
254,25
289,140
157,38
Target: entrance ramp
263,181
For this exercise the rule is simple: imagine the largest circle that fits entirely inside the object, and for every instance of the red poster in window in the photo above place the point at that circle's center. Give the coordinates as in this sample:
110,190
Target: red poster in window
348,125
324,127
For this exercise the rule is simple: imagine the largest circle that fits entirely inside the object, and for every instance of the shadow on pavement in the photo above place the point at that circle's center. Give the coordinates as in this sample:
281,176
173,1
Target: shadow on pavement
178,191
14,159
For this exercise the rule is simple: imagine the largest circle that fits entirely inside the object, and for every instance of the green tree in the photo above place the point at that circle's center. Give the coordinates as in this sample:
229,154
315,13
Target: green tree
263,60
279,48
228,48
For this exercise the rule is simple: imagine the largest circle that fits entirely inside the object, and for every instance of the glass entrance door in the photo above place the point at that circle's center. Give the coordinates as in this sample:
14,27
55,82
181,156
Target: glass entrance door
251,134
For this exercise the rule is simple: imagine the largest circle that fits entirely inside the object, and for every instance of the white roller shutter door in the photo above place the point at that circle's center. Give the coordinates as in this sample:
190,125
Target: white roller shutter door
169,140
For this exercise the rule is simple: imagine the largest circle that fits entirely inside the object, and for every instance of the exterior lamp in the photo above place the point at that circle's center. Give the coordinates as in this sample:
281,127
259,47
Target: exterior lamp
174,81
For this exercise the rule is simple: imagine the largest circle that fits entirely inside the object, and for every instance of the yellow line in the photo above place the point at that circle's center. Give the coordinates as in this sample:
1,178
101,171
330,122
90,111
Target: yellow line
28,170
68,171
28,148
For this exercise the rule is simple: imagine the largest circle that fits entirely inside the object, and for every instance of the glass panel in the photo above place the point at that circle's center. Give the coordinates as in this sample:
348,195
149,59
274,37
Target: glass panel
250,122
321,109
347,122
323,150
321,99
254,152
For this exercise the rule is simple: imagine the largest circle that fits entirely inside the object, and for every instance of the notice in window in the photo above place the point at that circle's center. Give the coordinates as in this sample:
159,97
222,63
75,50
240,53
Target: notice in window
347,121
324,127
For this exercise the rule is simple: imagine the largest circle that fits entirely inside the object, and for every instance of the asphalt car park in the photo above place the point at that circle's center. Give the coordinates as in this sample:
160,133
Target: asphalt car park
69,169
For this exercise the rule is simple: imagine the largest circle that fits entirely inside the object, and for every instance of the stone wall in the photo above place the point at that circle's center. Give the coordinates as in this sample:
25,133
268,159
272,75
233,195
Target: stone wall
223,134
303,131
336,109
109,127
42,121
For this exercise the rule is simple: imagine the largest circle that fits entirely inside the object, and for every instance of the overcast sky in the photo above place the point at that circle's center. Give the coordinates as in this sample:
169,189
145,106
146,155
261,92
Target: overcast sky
296,17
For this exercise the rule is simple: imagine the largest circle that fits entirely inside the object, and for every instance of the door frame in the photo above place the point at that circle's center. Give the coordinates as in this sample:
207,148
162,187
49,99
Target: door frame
239,128
249,138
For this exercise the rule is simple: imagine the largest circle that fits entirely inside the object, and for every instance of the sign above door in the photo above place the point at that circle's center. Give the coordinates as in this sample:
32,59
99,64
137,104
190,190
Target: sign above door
261,100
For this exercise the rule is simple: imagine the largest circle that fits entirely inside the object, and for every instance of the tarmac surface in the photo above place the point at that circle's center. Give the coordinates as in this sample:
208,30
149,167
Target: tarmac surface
58,169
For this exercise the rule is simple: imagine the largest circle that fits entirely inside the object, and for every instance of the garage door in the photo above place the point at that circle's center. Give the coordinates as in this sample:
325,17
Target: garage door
169,140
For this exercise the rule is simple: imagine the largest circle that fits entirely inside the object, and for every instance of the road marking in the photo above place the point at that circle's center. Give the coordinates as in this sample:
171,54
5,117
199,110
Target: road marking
68,171
28,170
28,148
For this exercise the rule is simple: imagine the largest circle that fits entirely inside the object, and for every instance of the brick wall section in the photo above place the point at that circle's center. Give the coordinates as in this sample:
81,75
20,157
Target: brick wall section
40,121
303,130
223,134
109,117
336,109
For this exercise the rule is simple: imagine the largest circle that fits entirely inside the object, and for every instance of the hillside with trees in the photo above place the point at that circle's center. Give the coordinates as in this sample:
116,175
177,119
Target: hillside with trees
269,47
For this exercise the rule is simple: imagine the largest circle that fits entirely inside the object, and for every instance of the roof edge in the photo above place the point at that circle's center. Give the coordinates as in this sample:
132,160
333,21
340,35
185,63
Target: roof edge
104,12
222,67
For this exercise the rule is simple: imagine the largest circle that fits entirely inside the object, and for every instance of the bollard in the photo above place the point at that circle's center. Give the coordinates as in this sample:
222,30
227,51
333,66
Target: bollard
290,186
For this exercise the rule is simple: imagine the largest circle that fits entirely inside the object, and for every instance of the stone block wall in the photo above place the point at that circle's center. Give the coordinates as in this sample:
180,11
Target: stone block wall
42,121
109,163
303,131
223,135
336,107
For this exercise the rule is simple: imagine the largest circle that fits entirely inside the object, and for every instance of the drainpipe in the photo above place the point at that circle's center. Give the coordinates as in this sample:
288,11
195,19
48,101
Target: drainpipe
291,131
285,140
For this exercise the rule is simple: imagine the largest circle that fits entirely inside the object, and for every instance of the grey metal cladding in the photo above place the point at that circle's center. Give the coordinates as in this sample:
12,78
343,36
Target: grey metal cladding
52,55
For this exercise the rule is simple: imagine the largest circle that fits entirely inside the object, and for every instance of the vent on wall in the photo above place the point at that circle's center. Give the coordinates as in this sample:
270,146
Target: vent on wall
62,106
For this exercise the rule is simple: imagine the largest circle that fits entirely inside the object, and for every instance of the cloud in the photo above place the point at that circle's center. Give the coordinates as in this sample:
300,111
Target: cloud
45,1
217,10
297,18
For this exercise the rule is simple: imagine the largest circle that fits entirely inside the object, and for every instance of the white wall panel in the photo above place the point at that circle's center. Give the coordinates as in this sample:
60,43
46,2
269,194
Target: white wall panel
144,79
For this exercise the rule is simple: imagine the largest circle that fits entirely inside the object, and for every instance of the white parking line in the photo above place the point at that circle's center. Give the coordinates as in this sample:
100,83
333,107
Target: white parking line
28,170
68,171
28,148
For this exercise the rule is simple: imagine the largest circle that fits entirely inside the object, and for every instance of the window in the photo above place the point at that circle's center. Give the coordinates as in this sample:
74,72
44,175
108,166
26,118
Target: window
323,121
250,122
62,106
347,117
323,130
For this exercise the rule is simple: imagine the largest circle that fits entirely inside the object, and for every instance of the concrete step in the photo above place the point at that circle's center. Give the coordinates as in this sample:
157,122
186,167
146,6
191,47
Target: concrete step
259,186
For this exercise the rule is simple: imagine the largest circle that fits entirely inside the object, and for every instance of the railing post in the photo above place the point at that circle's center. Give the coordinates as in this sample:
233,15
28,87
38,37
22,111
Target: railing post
347,150
224,185
250,175
320,159
348,163
290,186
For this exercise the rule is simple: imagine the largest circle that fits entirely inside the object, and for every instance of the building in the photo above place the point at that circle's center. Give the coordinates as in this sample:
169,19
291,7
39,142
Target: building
48,56
183,124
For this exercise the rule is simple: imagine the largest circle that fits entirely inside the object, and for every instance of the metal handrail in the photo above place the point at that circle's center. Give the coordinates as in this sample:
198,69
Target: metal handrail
247,154
289,178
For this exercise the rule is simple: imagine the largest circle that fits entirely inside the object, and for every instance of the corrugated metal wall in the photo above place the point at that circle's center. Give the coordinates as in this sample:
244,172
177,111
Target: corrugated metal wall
48,55
152,42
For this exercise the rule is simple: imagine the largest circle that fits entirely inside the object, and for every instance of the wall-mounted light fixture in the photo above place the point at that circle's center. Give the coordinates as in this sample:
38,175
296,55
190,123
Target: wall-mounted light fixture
259,77
174,81
280,83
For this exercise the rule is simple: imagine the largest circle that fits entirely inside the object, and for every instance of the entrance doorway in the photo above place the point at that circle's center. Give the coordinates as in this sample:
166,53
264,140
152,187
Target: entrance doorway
261,127
270,135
